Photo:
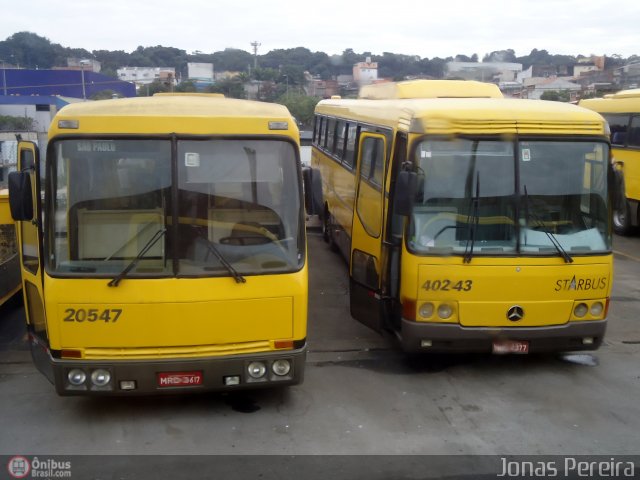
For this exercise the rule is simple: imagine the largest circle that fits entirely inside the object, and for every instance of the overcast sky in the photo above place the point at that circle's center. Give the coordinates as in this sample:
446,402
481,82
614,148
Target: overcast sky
425,28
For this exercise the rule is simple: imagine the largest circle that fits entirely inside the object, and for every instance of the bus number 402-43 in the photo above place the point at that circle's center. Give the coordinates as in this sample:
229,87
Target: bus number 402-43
448,285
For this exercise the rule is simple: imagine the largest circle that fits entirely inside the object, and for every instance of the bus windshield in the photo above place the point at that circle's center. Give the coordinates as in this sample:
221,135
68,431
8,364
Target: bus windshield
213,207
501,197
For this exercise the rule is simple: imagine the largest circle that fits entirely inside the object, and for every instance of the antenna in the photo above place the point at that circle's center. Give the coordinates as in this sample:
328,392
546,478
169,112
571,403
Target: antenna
255,44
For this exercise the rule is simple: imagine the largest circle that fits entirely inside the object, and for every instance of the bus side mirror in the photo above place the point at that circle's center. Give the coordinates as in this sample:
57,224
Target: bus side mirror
20,196
406,184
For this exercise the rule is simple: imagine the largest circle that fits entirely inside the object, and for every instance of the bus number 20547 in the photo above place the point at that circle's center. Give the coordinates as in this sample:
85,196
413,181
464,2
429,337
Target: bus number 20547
92,315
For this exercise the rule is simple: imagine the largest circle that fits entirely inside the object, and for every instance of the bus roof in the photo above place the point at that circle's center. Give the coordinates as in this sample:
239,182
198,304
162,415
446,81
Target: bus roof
624,101
174,113
469,115
430,89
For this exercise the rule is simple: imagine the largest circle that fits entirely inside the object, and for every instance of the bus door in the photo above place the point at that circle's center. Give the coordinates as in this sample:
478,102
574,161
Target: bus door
367,231
25,199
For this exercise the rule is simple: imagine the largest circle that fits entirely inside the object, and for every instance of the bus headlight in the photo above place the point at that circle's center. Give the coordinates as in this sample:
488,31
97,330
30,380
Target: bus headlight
597,309
445,311
76,377
281,367
100,377
426,310
256,369
580,310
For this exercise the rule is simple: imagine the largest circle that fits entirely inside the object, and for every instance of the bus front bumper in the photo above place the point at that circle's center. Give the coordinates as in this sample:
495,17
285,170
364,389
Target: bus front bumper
452,338
156,377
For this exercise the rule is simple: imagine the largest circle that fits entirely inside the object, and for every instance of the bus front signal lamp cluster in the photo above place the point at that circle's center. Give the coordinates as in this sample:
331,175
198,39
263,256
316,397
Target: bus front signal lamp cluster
260,371
99,379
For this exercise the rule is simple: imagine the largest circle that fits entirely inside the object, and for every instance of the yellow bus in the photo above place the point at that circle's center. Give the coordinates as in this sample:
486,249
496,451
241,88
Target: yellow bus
164,250
469,222
622,111
9,263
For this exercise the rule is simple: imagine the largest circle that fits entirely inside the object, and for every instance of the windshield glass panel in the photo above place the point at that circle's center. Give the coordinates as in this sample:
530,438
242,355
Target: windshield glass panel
110,199
563,197
239,203
467,202
464,185
238,209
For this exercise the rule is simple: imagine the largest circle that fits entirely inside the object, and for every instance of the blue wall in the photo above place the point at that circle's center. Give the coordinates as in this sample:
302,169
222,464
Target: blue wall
67,83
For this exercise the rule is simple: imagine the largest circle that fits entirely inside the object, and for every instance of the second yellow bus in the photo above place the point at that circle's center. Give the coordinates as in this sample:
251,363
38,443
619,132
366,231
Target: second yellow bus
469,222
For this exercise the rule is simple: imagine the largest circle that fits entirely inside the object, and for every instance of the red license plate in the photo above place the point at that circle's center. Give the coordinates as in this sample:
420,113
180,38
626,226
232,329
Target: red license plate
179,379
503,347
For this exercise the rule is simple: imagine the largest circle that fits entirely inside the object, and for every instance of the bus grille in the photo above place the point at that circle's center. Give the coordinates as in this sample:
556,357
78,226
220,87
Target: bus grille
197,351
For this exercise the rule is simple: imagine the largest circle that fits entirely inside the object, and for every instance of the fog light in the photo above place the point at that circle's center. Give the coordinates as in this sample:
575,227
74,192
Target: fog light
281,367
580,310
127,385
256,369
232,380
426,343
426,310
597,309
587,341
100,377
76,377
445,311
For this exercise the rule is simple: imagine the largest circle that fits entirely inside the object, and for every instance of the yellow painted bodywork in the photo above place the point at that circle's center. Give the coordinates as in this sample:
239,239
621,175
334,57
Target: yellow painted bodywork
546,288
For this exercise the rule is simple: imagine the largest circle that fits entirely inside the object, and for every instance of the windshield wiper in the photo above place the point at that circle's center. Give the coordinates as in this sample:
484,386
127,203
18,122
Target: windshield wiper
540,226
150,243
212,248
472,220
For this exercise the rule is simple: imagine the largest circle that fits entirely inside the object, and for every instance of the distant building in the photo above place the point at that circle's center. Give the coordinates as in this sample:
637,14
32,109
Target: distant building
535,89
316,87
484,71
365,73
201,74
64,83
86,64
146,75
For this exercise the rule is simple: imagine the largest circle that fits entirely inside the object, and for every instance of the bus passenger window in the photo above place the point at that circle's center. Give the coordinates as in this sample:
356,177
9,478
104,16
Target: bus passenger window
350,146
634,132
338,148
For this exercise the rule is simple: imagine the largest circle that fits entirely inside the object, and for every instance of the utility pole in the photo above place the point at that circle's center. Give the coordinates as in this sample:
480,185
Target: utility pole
255,44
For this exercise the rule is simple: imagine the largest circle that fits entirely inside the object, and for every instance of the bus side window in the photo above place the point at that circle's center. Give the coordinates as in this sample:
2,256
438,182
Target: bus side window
341,131
350,145
634,132
618,124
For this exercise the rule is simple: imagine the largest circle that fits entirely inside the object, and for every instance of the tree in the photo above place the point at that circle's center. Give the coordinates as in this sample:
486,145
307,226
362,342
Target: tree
103,95
301,106
556,95
501,56
10,123
186,86
229,87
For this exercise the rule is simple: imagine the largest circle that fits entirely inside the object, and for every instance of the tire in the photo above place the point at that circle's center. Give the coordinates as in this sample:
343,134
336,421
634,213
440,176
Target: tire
622,219
327,231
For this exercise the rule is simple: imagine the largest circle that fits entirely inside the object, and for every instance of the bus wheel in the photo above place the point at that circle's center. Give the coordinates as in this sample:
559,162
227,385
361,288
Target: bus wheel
622,220
327,230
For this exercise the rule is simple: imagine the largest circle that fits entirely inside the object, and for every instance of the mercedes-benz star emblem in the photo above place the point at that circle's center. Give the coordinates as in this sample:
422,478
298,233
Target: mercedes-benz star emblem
515,313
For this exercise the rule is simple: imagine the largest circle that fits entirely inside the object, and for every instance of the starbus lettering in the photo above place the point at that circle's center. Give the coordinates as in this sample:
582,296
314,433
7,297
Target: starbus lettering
581,284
